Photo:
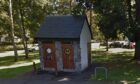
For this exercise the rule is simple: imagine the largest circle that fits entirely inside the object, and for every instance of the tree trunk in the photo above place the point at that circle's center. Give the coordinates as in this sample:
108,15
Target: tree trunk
107,44
12,31
137,51
90,18
137,33
24,38
137,46
138,11
70,6
129,10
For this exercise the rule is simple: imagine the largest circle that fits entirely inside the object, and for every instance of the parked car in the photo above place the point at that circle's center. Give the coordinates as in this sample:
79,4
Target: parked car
122,44
33,47
132,45
119,44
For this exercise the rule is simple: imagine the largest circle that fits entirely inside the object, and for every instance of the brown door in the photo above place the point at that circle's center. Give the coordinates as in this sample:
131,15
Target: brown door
68,56
49,55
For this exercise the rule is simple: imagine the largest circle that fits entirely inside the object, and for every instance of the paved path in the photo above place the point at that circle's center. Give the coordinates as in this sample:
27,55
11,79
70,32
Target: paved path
10,53
19,65
119,50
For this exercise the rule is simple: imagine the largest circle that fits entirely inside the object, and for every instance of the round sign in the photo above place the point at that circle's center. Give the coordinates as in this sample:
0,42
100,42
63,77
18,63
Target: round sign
67,51
49,50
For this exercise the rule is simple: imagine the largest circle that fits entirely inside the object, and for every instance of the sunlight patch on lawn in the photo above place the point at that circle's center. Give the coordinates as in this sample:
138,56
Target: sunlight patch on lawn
119,50
119,65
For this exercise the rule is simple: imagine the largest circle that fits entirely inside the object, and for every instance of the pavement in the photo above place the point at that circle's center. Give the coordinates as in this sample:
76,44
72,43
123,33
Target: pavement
19,65
10,53
119,50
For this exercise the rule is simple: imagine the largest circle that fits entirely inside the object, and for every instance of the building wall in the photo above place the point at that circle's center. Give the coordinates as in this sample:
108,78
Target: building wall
77,56
85,38
41,51
58,52
59,56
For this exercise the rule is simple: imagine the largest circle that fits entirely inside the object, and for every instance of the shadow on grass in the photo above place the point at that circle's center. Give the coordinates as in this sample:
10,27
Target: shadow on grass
119,65
9,60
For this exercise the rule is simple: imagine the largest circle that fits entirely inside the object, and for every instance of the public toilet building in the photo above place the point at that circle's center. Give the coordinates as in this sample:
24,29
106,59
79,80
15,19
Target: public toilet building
64,43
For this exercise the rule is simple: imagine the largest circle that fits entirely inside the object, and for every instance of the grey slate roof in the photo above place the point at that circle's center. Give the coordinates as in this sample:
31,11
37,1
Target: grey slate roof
61,27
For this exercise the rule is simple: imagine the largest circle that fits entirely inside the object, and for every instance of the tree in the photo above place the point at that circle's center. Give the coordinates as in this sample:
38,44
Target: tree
12,30
22,26
79,9
111,18
133,30
5,22
137,31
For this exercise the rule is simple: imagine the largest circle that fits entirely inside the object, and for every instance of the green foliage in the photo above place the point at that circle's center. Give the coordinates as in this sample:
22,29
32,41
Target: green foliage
33,13
4,18
79,9
111,17
13,72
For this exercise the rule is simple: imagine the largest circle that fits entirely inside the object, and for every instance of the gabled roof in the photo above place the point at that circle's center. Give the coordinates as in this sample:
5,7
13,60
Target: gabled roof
61,27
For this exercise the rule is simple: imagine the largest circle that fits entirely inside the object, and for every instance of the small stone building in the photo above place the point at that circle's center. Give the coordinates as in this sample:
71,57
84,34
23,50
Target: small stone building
64,43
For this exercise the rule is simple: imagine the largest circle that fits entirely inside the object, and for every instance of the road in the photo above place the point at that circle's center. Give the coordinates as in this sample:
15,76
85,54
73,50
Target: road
10,53
20,64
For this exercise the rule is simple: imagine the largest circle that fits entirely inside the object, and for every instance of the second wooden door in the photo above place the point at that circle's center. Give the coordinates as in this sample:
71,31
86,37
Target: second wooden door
68,56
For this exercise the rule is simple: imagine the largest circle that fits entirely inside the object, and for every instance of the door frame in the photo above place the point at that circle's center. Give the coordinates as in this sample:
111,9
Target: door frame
68,43
49,43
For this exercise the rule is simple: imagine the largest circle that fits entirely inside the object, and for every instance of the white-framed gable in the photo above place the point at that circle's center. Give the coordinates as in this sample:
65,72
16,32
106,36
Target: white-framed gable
85,38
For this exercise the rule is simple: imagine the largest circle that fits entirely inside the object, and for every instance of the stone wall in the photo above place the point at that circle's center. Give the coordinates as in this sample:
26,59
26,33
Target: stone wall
59,55
41,53
77,57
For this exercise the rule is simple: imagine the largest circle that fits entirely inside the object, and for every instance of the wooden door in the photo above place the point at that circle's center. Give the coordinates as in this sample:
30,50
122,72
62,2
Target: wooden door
68,56
49,55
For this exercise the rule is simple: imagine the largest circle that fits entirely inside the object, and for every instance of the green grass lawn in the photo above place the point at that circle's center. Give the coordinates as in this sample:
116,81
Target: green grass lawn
14,72
119,65
9,60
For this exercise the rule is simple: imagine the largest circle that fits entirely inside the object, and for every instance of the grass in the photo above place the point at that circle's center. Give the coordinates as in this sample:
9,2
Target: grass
119,65
9,60
14,72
